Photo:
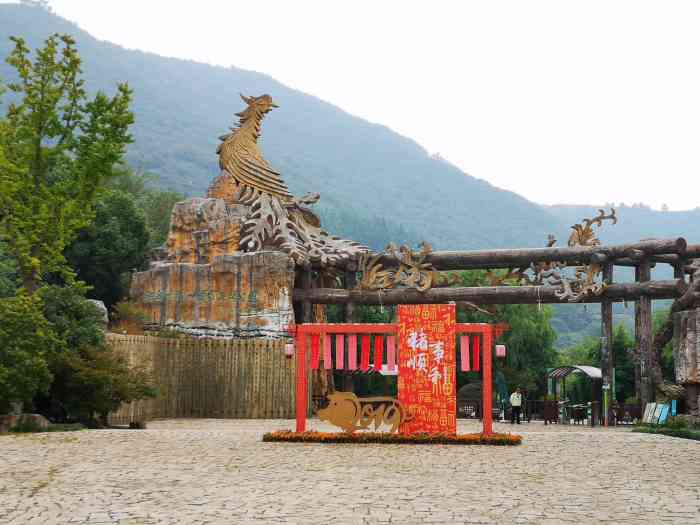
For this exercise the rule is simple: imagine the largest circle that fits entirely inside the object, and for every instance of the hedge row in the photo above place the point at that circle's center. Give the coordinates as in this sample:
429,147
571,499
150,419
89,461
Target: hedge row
393,439
673,432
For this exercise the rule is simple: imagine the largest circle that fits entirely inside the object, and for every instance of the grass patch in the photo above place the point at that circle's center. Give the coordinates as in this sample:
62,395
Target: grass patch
684,433
30,427
65,427
392,439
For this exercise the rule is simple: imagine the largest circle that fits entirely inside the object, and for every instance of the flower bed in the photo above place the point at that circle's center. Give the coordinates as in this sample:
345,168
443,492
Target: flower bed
392,439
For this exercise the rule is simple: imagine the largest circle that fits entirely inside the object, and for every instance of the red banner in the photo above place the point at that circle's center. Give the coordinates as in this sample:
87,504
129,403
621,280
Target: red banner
427,368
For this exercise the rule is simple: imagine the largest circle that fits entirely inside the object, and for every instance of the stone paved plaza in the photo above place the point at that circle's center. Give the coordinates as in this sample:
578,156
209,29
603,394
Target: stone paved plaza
218,471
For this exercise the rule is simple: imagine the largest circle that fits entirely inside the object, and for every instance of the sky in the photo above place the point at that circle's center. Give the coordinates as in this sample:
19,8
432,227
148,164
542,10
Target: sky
562,102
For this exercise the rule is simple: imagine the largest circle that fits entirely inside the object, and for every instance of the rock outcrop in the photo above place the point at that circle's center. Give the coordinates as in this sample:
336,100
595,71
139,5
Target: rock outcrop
228,266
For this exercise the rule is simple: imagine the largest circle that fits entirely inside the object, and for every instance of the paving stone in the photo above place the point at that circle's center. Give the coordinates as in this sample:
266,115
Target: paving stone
203,471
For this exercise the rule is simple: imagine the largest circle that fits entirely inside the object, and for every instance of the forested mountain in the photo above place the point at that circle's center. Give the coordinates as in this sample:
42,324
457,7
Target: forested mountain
376,185
636,222
363,171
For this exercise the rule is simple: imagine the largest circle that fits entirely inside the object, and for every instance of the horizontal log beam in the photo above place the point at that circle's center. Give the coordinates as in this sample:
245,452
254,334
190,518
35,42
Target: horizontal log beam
515,258
489,294
689,299
692,251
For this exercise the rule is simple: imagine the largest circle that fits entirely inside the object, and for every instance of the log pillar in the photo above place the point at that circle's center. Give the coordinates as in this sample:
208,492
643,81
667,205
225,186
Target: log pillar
679,270
307,305
606,353
350,283
643,336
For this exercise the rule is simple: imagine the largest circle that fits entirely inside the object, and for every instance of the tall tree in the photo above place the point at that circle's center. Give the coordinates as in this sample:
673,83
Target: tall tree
114,244
622,347
8,273
660,321
26,344
530,338
587,352
155,204
57,145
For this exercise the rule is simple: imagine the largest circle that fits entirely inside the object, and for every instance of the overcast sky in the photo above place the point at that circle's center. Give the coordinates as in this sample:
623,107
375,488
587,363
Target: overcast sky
562,102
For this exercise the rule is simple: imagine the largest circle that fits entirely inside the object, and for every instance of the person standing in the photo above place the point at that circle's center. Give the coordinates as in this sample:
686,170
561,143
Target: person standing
516,403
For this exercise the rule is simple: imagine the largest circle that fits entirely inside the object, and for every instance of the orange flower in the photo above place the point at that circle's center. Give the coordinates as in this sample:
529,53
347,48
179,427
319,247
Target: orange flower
384,437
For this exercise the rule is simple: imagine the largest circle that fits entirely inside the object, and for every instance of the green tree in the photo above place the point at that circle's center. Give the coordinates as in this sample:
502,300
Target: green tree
56,148
530,342
622,346
658,323
529,339
8,274
155,204
114,243
157,207
89,377
26,341
587,352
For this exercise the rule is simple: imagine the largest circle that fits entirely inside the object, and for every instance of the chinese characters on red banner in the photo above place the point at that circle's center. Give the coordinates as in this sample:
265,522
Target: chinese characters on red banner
427,368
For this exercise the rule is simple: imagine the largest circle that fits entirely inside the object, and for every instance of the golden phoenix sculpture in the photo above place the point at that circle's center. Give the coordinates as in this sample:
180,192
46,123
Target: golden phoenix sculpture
277,220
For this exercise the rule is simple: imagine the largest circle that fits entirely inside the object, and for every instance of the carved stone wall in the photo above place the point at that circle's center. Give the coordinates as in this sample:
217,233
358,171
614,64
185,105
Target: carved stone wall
686,354
224,187
244,295
201,229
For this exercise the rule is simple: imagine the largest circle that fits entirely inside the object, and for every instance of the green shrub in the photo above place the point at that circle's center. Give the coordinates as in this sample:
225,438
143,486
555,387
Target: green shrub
676,423
128,311
26,343
65,427
679,433
30,426
26,425
90,378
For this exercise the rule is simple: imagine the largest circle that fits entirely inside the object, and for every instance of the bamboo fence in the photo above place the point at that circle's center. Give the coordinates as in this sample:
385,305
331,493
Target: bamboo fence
209,378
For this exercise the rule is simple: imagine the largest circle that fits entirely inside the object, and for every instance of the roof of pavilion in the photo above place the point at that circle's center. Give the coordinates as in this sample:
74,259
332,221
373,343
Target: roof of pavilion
563,371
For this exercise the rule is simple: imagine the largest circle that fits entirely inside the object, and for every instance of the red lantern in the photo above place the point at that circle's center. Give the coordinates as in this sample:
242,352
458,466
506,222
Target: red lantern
501,351
289,350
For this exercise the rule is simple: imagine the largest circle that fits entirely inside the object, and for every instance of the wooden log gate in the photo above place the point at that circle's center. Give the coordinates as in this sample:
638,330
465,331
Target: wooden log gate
643,256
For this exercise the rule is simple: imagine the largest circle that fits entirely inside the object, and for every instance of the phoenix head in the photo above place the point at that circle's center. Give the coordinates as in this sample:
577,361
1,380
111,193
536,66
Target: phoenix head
258,106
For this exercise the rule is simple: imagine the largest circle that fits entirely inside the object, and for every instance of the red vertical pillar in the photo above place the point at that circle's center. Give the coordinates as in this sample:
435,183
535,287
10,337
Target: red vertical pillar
378,352
487,356
364,357
302,385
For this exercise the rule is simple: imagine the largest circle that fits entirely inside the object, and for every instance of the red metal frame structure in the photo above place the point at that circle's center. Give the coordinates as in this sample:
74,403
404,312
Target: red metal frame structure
303,334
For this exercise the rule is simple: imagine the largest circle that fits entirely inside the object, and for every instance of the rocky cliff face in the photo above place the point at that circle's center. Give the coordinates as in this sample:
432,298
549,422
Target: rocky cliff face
240,295
228,266
202,229
205,286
